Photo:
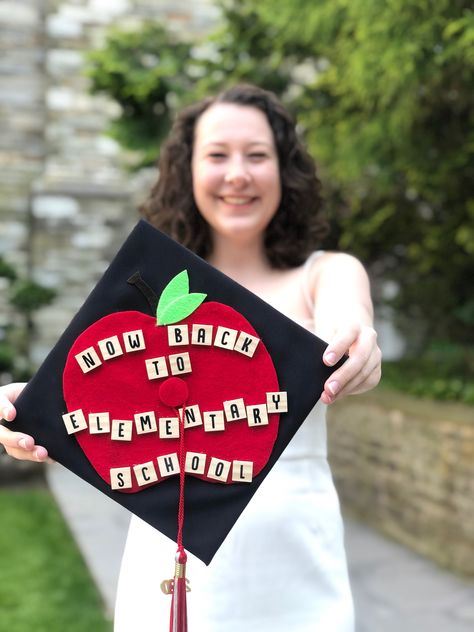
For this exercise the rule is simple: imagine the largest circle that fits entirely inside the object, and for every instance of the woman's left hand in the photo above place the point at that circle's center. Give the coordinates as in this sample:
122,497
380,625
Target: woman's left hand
361,371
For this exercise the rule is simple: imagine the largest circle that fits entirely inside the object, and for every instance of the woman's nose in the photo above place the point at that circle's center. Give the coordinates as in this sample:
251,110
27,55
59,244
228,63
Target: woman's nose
237,174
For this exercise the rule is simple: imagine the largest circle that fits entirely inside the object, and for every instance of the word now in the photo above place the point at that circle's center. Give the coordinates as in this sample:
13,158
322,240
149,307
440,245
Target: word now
178,335
168,427
168,465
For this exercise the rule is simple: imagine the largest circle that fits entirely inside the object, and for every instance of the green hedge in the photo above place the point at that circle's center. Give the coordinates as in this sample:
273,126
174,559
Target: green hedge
444,371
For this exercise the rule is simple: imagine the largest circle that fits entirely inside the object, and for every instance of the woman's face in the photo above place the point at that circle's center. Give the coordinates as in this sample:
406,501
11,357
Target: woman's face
236,179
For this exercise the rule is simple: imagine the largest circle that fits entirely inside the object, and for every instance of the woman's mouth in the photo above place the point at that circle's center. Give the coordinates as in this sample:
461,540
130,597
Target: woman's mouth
235,200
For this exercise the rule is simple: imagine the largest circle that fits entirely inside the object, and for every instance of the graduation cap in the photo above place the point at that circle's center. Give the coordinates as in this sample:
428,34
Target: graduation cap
172,373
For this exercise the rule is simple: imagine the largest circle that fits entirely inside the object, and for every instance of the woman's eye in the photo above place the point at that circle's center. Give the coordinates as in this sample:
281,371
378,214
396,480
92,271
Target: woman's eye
216,155
257,155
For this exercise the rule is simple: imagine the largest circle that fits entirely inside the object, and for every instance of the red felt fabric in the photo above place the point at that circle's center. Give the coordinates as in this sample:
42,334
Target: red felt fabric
121,387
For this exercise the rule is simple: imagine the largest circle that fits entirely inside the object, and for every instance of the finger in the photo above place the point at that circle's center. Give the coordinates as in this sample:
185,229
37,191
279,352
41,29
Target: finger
7,411
364,381
360,355
16,439
369,381
21,446
39,454
8,396
339,345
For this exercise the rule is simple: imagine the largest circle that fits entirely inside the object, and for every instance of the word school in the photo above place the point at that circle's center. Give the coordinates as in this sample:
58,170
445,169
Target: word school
168,465
168,427
178,335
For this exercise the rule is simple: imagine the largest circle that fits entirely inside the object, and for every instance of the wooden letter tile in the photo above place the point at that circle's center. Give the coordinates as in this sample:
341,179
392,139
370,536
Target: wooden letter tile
277,402
246,344
180,363
120,478
235,409
225,337
145,473
195,463
121,429
178,335
99,423
156,368
168,464
219,469
75,421
134,341
169,427
145,422
192,416
110,348
88,360
202,335
214,420
257,415
242,471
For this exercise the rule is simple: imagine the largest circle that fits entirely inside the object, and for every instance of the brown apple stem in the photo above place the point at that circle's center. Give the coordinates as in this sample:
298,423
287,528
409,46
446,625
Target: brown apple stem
145,289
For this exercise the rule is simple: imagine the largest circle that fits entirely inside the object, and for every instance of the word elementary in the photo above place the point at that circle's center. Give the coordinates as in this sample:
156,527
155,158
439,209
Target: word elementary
168,427
178,335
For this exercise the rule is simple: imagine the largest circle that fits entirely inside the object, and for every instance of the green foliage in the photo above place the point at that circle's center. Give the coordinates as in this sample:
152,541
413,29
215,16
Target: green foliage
7,357
384,94
444,371
28,296
45,584
389,116
240,50
25,297
6,270
145,71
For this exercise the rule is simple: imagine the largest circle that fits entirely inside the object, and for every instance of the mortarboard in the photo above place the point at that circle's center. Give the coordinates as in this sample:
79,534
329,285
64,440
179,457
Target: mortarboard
170,367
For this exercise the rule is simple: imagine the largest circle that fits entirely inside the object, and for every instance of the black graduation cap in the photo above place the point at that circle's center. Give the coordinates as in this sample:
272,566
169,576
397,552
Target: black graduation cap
170,367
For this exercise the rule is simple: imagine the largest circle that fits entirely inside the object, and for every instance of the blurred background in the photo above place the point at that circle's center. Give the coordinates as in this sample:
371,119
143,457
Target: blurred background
384,95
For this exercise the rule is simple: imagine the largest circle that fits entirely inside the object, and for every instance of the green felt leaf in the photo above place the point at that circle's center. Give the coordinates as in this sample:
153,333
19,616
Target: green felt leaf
177,287
180,308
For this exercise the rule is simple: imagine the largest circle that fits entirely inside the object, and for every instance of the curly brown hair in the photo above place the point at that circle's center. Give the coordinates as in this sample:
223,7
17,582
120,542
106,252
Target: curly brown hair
297,227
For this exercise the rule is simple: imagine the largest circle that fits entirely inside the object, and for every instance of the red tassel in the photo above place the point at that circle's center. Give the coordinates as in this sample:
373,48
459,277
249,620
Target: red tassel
179,613
178,586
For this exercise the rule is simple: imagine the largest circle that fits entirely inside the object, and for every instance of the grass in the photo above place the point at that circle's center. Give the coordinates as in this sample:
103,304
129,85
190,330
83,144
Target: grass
44,583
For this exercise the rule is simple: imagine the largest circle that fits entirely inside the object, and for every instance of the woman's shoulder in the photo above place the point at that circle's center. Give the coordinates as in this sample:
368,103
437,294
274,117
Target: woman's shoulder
321,261
328,266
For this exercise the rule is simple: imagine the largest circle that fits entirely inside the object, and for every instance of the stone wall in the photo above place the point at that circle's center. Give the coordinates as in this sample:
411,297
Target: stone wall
406,467
65,203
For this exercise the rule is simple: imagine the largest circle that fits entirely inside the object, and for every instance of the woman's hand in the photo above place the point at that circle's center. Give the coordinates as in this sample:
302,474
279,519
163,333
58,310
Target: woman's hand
361,371
17,444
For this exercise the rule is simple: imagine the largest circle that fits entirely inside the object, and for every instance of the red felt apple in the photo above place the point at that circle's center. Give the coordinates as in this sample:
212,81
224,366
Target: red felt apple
121,386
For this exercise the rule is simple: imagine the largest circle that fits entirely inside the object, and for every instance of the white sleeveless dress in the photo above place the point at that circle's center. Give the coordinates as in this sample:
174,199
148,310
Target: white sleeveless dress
282,567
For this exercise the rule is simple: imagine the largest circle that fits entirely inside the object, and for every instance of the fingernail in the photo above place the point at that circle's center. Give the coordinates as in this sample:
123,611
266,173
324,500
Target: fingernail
22,444
333,387
6,412
330,358
41,454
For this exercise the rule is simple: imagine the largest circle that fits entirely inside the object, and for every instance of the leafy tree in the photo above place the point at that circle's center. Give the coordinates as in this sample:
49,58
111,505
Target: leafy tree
145,70
241,49
389,116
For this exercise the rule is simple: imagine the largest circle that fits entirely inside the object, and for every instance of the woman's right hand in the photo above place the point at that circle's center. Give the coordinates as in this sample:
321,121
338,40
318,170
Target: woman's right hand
17,444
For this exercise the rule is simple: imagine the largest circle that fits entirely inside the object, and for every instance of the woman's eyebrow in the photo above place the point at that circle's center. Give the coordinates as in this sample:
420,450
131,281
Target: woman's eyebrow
224,144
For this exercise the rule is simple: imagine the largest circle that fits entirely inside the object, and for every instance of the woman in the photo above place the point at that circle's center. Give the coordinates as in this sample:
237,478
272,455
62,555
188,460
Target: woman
238,188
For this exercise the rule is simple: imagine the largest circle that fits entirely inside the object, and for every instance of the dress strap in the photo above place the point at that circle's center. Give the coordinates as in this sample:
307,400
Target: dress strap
306,277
